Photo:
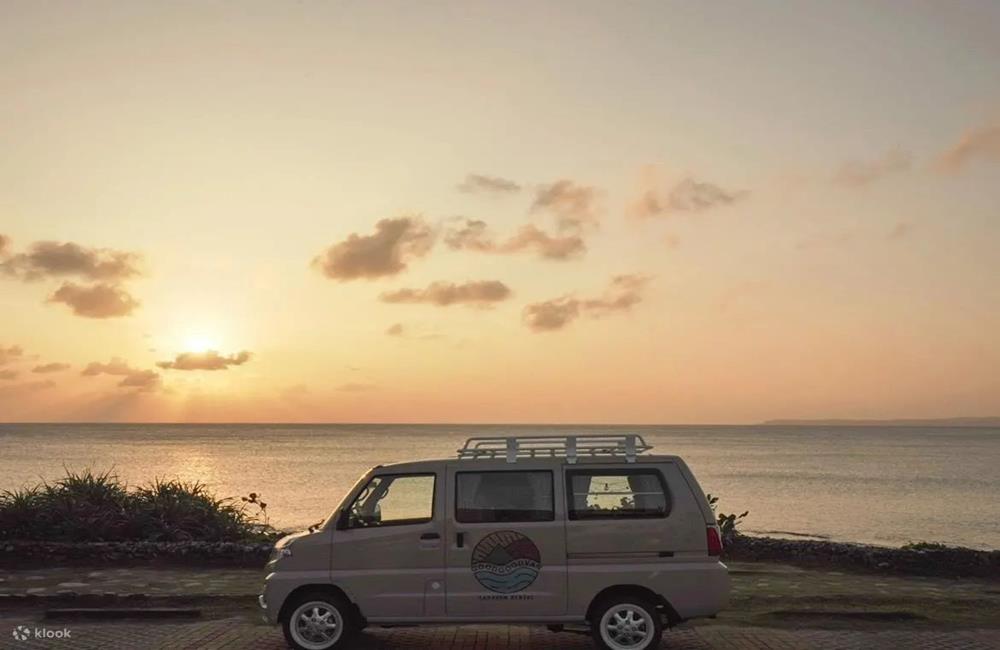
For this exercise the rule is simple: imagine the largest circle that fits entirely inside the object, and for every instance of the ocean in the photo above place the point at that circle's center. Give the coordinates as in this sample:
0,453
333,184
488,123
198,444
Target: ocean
881,485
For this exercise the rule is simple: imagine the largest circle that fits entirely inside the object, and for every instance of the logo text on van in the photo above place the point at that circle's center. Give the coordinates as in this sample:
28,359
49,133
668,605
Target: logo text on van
506,562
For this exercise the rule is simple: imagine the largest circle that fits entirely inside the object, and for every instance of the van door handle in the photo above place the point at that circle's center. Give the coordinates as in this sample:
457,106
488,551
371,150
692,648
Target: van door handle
460,540
430,536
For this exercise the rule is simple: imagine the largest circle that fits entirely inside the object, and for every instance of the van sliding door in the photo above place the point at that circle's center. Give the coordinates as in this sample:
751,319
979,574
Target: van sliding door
505,541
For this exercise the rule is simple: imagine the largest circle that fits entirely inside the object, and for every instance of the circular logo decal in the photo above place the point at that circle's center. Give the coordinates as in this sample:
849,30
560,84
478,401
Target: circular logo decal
506,562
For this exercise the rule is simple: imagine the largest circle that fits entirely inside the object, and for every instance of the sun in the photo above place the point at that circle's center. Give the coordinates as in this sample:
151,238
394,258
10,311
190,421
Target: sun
199,343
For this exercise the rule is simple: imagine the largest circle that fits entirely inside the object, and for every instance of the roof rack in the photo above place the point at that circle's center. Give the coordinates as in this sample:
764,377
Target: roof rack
571,447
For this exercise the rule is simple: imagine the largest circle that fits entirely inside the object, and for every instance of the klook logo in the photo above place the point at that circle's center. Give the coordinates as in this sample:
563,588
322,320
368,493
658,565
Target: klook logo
23,633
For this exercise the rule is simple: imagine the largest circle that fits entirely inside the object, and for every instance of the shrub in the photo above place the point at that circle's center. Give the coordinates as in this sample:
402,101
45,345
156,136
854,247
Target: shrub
176,511
88,506
18,512
727,523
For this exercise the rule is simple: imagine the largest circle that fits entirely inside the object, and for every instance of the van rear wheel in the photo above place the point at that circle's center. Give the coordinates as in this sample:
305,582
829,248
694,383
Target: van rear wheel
626,623
318,621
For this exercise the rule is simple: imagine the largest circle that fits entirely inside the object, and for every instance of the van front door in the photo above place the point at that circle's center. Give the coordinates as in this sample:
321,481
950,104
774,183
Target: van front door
388,554
506,542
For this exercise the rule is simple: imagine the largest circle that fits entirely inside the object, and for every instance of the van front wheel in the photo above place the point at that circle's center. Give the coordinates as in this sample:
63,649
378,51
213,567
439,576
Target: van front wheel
317,621
626,623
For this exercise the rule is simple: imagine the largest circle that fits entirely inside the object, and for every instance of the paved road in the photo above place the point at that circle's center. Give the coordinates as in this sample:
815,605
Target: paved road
926,613
237,633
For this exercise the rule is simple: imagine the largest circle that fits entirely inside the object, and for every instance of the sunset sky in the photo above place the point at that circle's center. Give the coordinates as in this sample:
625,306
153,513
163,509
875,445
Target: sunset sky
506,212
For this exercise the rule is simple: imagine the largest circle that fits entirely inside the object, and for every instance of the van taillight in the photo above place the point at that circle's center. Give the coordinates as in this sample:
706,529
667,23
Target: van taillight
714,541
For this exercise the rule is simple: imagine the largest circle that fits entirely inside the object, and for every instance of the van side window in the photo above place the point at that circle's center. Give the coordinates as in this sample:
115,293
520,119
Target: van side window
502,496
393,500
616,493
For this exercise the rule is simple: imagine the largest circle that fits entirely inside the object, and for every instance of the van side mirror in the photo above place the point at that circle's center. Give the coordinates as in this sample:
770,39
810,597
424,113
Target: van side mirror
343,519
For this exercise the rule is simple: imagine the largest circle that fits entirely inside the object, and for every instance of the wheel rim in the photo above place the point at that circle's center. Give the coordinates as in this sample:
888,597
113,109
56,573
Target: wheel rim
626,627
316,625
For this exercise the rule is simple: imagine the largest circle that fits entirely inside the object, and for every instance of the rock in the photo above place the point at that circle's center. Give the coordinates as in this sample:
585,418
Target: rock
939,561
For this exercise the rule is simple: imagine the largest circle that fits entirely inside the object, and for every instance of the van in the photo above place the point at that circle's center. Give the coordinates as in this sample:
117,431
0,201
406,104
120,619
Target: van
586,533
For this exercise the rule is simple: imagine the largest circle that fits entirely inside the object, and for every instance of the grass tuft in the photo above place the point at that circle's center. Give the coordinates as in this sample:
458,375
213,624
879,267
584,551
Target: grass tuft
89,507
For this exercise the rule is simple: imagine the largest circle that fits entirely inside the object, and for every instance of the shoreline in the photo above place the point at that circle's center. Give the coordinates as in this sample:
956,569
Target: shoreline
918,560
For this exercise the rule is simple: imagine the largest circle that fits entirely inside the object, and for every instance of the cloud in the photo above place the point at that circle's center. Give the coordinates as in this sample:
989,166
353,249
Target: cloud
104,267
471,235
384,253
50,367
623,293
901,230
398,330
210,360
353,387
442,294
860,173
144,380
474,235
296,392
47,259
982,143
554,248
9,374
687,195
141,379
26,387
98,301
114,367
573,205
479,184
552,314
10,353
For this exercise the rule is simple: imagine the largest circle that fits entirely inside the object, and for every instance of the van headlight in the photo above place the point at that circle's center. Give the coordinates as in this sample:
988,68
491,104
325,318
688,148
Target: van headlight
277,553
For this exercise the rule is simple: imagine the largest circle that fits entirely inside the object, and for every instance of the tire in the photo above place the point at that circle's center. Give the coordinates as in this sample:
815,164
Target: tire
318,621
626,622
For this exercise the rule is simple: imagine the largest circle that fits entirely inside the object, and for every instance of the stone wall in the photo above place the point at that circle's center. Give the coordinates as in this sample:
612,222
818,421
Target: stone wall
947,562
22,554
934,561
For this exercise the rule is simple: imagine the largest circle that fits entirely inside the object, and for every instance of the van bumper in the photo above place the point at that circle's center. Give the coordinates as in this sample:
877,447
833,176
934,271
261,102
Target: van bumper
699,590
279,585
267,602
262,603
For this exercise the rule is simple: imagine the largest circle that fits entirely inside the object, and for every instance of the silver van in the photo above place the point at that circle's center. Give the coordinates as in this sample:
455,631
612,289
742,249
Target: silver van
577,532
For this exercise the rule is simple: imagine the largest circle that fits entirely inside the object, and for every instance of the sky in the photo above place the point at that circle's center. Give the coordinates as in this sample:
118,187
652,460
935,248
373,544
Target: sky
580,212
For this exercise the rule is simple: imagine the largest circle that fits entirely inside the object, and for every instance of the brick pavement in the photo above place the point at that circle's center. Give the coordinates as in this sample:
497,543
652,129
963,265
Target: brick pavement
237,633
948,613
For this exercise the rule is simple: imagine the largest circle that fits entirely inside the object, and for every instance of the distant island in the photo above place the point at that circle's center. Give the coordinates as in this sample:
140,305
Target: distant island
902,422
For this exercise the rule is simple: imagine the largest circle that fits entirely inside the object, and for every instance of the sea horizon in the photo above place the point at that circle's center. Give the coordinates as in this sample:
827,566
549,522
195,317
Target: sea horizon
916,484
964,422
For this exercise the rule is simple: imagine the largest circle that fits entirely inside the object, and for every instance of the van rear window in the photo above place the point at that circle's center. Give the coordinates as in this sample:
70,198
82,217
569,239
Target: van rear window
614,494
495,497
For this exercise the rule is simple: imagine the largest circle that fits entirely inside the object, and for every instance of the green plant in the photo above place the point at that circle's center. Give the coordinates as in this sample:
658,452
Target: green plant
18,511
727,523
84,506
171,510
259,514
88,506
